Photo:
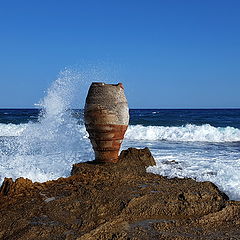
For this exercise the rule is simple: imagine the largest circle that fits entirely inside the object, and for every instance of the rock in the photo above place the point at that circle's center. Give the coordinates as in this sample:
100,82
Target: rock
115,229
6,185
116,201
131,161
9,187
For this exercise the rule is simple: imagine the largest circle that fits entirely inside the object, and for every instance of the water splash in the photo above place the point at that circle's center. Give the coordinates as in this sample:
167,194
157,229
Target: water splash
60,96
47,149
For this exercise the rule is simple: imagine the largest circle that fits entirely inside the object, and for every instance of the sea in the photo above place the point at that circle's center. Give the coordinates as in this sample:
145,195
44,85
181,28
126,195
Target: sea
42,143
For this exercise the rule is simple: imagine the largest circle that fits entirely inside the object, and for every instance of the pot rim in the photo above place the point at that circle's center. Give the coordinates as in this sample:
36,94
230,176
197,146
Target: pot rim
107,84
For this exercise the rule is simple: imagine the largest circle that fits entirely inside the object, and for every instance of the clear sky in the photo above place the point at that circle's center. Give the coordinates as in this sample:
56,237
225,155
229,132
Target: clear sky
168,53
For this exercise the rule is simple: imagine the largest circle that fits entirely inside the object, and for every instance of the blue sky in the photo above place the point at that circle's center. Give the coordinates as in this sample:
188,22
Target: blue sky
168,53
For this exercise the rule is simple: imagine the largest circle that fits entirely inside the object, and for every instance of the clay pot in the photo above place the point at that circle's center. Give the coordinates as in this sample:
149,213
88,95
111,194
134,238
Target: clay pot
106,116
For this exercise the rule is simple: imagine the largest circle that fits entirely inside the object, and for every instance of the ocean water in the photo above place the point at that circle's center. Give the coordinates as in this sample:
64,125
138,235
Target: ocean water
43,143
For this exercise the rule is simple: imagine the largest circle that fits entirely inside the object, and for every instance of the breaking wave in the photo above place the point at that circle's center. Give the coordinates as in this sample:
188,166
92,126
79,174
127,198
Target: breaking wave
188,133
46,149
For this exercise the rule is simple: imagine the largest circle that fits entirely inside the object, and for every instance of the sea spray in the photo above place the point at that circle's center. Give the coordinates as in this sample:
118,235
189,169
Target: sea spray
47,149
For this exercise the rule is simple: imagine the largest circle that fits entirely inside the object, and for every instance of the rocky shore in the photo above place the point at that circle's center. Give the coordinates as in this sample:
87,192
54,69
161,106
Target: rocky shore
116,201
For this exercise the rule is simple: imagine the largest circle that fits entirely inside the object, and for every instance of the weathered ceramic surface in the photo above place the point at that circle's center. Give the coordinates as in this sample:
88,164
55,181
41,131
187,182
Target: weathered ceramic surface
106,119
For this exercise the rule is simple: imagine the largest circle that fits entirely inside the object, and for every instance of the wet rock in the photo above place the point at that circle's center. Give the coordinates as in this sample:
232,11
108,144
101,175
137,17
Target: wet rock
116,201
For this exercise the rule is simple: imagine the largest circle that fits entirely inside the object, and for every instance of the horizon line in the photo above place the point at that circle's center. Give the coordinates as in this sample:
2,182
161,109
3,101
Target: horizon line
162,108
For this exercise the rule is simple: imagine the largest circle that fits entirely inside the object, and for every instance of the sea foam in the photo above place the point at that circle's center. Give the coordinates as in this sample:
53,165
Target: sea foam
188,133
11,130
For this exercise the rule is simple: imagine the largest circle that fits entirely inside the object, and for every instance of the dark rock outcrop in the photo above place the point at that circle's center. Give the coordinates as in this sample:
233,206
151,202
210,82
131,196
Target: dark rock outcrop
20,186
116,201
131,162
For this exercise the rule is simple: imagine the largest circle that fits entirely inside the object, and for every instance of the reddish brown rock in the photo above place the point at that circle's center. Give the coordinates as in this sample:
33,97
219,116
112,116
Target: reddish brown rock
21,185
117,201
131,161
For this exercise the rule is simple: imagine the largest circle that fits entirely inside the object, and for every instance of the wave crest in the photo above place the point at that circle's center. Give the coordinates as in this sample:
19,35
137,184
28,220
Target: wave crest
187,133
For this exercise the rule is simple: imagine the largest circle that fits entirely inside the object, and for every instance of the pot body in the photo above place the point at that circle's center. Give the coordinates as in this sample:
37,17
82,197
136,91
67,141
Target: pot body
106,116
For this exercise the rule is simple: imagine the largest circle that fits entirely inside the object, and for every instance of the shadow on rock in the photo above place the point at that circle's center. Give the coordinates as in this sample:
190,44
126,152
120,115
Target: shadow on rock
117,201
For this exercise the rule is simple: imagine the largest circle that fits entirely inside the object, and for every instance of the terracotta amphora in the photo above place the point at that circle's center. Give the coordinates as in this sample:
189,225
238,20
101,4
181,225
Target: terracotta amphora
106,116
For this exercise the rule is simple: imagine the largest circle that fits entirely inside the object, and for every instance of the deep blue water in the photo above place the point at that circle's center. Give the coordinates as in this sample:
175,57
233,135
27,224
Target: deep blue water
17,116
180,117
146,117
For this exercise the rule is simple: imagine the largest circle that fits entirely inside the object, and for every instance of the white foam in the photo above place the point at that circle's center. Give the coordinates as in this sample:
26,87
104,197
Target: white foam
11,130
220,169
193,152
46,149
188,133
